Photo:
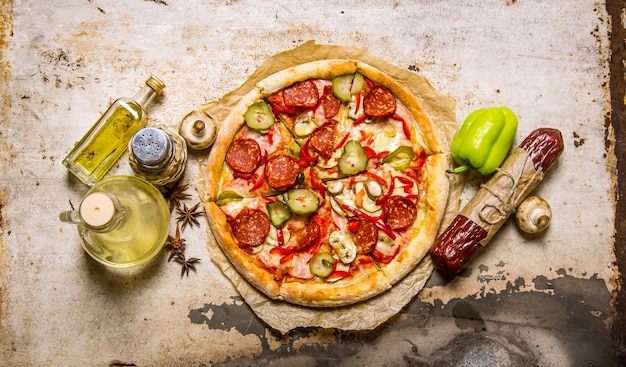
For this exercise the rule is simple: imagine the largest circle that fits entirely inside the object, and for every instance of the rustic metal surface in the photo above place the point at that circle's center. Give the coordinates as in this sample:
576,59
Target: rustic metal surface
552,299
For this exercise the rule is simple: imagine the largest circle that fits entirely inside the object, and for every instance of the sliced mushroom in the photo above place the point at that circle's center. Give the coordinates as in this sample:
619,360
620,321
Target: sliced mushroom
334,187
304,125
533,215
373,189
344,246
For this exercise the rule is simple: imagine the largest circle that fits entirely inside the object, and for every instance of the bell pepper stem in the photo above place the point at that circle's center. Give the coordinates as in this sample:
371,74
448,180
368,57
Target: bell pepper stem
459,169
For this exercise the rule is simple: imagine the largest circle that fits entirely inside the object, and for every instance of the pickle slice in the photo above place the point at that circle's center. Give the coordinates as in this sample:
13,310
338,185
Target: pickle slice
279,213
353,158
259,116
227,196
322,264
347,85
400,158
302,201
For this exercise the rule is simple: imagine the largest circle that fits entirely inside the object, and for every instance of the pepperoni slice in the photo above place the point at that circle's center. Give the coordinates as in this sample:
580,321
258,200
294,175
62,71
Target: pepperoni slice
278,104
379,102
309,236
281,171
244,155
324,138
399,212
250,227
330,104
365,237
302,94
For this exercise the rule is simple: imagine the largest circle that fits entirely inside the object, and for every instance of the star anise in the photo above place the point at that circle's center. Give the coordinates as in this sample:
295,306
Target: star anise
189,215
186,263
176,195
175,244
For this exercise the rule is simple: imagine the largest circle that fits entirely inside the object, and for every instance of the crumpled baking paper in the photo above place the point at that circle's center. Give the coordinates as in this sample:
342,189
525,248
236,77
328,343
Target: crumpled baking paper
369,314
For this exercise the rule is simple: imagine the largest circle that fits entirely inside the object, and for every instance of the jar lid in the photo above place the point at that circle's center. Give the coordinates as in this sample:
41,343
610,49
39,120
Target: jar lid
152,148
155,83
97,209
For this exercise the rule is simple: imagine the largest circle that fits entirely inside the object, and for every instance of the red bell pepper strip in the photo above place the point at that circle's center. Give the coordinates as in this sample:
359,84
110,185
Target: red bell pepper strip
280,238
360,119
338,274
381,154
387,195
353,226
343,141
259,182
405,181
282,250
374,220
316,184
357,103
270,135
405,126
305,154
286,258
375,177
370,85
369,152
413,197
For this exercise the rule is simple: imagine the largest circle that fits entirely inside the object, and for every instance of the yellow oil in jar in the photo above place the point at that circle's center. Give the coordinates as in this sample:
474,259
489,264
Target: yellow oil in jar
142,232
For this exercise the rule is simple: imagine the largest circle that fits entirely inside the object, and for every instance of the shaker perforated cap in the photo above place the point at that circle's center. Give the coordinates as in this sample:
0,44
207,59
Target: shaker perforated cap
152,148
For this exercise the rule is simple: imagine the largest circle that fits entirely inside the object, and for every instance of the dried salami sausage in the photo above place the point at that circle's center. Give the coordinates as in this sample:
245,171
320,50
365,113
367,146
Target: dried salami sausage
330,104
250,227
399,213
302,94
379,102
365,237
324,138
281,171
244,155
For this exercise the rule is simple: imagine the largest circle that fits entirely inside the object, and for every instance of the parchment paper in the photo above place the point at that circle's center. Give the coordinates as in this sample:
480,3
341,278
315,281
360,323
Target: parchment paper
369,314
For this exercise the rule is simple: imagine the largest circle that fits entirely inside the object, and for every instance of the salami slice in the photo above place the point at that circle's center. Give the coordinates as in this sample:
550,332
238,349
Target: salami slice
365,237
399,213
302,94
309,236
379,102
324,138
330,104
250,227
281,171
244,155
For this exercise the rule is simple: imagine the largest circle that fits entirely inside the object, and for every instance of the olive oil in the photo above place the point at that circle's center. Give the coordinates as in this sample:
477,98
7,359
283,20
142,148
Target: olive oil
93,156
136,231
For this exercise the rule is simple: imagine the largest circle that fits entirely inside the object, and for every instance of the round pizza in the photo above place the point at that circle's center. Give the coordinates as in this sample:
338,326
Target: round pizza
326,184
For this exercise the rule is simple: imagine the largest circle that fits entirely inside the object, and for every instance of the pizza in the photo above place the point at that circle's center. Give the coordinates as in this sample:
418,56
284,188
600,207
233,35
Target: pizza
326,184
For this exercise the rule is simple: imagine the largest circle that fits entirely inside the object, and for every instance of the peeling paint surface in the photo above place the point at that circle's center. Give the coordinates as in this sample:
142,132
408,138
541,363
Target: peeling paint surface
545,300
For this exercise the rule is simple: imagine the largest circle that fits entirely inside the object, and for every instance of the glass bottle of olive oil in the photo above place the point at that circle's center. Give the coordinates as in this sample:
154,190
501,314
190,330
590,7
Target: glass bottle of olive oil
92,157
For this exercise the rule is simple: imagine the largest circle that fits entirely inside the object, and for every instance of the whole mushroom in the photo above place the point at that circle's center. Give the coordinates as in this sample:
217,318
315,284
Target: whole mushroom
533,215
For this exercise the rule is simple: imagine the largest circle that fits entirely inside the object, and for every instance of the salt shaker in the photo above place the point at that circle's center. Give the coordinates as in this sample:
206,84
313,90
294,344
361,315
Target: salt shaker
158,154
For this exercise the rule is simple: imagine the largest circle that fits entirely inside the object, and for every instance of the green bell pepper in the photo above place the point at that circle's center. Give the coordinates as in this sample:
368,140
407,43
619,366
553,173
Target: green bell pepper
484,140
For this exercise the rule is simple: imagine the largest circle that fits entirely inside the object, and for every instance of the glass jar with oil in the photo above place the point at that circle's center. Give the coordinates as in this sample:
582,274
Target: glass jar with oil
93,156
123,221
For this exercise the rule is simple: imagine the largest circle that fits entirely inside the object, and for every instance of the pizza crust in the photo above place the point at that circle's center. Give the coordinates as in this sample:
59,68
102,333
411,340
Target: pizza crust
364,285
